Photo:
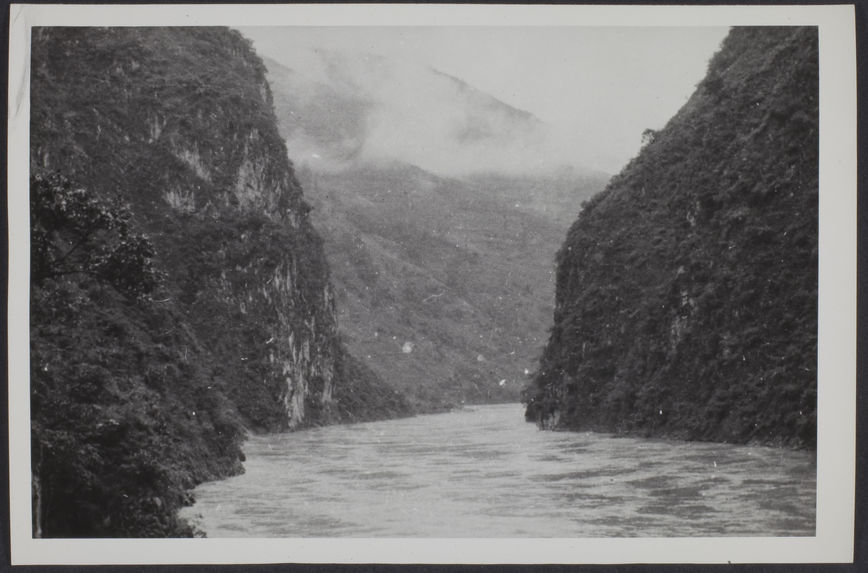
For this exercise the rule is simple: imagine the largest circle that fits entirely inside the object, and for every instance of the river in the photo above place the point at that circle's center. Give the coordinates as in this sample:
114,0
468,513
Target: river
484,472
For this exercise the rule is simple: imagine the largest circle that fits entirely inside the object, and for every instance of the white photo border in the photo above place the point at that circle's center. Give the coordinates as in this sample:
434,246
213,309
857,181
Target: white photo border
837,350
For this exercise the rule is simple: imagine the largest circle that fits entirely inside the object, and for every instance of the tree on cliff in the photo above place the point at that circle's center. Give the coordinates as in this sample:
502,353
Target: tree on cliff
75,233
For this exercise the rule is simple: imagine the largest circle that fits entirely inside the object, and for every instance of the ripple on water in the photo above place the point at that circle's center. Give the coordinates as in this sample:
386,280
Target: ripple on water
714,480
682,510
548,458
589,500
578,475
760,483
679,494
652,482
378,475
576,448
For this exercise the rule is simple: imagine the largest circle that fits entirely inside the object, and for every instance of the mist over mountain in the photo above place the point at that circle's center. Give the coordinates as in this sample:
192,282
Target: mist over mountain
339,110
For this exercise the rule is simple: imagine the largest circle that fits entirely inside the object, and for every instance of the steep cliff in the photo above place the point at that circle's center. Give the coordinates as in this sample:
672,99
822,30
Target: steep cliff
172,131
686,299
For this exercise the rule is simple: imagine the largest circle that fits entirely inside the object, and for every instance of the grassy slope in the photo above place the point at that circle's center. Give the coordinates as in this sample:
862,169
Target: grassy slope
686,292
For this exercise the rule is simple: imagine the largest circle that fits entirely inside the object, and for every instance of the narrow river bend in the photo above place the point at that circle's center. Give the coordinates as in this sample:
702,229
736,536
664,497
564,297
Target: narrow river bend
484,472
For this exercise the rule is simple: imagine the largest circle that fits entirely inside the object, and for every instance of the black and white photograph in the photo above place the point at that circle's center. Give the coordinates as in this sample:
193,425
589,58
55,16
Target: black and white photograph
537,285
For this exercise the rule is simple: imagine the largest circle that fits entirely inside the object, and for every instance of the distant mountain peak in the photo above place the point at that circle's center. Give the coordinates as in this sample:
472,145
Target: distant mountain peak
465,87
341,110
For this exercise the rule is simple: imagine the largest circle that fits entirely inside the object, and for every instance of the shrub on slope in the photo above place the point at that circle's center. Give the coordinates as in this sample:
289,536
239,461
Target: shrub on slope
125,413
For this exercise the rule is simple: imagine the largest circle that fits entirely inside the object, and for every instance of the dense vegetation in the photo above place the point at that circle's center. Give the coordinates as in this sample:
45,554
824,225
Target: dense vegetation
179,292
686,297
126,411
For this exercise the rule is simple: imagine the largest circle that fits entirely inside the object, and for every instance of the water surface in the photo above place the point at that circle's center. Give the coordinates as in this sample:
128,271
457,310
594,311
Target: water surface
484,472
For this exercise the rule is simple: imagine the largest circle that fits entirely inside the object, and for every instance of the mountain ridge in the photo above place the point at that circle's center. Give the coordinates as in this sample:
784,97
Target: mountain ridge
358,112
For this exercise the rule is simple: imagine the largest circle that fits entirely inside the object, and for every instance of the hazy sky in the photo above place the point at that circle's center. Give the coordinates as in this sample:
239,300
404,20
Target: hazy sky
600,86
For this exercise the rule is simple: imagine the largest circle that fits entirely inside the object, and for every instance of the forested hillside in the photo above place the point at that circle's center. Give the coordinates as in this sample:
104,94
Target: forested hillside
442,289
686,300
180,295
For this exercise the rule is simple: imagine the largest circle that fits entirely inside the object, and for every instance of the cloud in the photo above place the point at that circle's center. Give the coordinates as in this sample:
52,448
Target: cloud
378,97
342,109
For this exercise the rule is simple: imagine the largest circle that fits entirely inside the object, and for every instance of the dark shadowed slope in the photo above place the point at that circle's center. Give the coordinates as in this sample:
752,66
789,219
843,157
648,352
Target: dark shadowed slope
180,293
687,290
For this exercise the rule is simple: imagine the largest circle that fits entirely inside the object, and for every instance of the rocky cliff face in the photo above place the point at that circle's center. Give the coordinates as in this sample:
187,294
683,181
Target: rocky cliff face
687,290
177,125
178,122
